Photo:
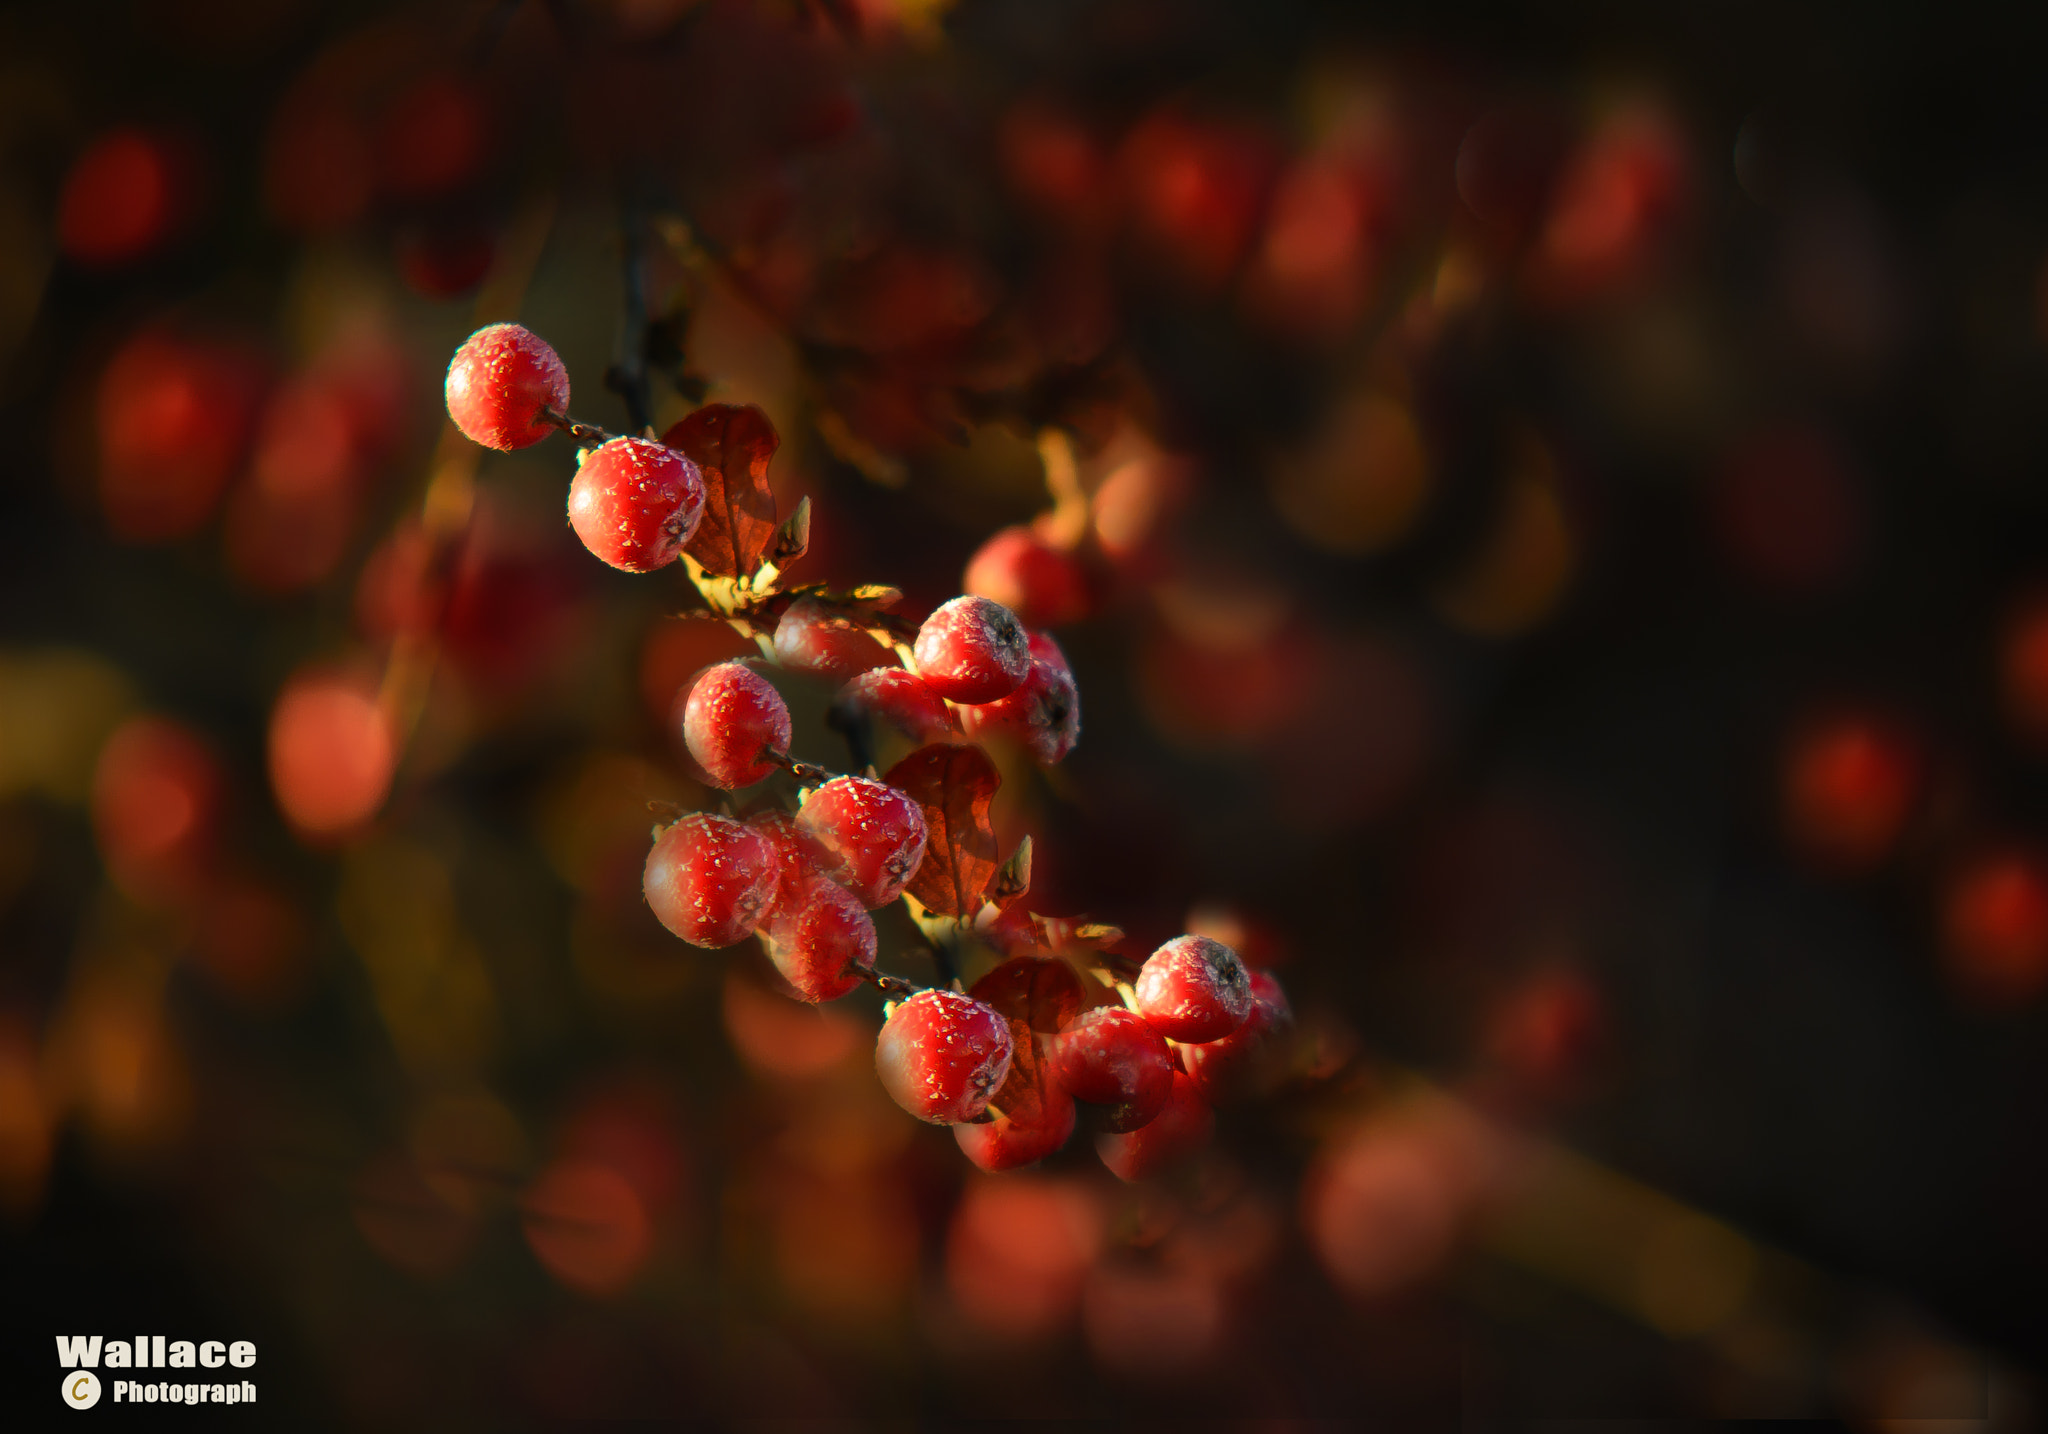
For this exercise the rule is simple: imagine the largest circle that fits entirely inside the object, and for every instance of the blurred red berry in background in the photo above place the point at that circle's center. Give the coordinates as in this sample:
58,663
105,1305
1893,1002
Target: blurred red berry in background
1849,786
1994,927
332,752
173,418
125,196
157,794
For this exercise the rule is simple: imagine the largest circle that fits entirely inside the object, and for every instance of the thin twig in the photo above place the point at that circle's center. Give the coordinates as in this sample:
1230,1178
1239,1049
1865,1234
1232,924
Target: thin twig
588,434
627,376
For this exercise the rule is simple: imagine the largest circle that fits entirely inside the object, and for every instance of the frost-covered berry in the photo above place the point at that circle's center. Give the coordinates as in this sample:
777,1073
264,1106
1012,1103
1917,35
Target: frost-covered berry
635,504
902,699
1194,989
820,940
942,1056
869,836
973,650
1182,1127
730,718
1043,716
818,640
498,383
709,879
1113,1058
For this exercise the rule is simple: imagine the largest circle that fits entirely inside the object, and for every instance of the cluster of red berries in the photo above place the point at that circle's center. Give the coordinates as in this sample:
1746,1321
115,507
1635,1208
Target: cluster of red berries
1009,1063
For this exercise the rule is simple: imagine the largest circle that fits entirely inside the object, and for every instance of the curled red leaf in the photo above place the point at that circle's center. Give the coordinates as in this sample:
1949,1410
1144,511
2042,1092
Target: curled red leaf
1041,991
954,784
731,445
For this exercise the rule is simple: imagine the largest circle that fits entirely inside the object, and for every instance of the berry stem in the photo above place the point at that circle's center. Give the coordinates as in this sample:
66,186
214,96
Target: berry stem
892,986
806,775
588,434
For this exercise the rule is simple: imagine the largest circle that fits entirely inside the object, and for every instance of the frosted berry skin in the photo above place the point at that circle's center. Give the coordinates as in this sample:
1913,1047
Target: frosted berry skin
1233,1064
1112,1057
1017,1138
820,939
1180,1129
731,717
1043,716
902,699
973,650
635,504
1194,989
812,638
942,1056
709,879
1042,584
795,864
869,837
498,383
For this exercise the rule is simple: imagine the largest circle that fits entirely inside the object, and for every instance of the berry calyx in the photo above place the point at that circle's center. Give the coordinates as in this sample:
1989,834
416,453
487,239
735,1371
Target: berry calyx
731,717
815,639
821,940
499,383
635,504
1194,989
709,878
1043,716
1181,1128
1044,585
902,699
942,1056
973,650
869,836
1231,1064
1112,1057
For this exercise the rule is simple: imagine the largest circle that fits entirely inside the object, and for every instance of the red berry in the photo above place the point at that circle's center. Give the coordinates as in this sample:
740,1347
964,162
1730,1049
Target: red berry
795,863
709,879
120,200
1112,1057
815,639
730,718
1043,585
498,383
870,836
819,939
903,699
332,752
635,504
1194,989
1223,1067
1178,1131
1043,716
1044,649
942,1056
1037,1127
173,420
157,795
973,650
